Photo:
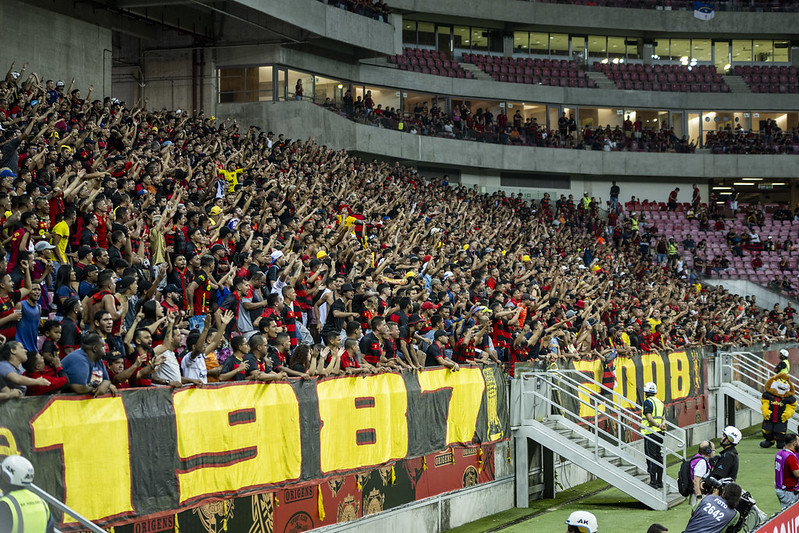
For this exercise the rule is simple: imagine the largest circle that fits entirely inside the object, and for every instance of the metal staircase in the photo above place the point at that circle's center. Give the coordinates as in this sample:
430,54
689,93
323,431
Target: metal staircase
539,414
742,376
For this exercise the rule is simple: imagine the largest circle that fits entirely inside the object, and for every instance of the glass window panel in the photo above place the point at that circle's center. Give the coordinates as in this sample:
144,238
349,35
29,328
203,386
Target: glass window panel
662,48
701,49
281,84
496,41
559,44
722,54
307,84
762,50
782,51
539,43
680,48
462,37
444,42
427,33
265,85
480,39
578,48
741,50
597,46
521,42
231,85
633,48
616,47
325,88
409,32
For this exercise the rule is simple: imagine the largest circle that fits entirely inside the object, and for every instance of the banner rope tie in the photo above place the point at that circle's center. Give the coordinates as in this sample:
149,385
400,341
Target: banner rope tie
320,504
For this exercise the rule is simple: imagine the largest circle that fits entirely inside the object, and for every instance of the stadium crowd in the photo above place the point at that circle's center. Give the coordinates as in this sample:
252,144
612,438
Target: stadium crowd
375,9
149,247
483,126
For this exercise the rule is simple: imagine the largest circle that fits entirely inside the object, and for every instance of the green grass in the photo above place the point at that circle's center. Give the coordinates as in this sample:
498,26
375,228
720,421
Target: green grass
618,512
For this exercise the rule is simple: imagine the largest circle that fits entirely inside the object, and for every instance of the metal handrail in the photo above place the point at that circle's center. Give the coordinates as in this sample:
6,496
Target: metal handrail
753,364
594,404
591,405
638,407
614,409
85,522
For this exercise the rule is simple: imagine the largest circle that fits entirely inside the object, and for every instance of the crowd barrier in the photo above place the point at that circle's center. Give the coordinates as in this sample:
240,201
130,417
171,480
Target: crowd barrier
299,454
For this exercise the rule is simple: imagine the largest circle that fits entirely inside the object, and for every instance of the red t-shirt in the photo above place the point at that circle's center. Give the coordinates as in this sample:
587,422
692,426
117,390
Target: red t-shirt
791,464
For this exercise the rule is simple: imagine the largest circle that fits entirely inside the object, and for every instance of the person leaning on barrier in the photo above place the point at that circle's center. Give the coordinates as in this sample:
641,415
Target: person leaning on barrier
652,427
715,512
786,472
726,466
20,509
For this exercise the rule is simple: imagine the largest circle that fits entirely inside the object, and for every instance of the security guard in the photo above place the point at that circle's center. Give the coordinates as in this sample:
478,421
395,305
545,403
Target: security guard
652,427
21,511
784,365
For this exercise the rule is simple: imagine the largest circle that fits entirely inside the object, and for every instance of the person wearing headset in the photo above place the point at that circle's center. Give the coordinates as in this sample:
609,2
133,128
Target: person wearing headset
700,467
726,466
21,509
581,522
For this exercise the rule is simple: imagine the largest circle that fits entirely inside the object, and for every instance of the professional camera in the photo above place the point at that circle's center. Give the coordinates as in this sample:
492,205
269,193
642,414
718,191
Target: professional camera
749,514
711,484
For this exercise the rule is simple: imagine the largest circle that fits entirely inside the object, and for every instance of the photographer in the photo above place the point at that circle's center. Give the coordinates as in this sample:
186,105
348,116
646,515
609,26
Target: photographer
714,513
786,472
726,466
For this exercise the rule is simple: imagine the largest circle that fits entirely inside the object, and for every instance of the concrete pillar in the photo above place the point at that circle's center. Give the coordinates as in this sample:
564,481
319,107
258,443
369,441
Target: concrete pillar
395,19
647,50
522,467
507,44
795,56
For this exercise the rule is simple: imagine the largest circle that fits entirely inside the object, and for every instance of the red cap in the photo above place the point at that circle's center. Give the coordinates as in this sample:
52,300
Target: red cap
426,258
429,305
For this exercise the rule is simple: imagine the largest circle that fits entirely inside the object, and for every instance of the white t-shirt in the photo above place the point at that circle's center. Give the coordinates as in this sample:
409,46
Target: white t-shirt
701,469
194,368
169,370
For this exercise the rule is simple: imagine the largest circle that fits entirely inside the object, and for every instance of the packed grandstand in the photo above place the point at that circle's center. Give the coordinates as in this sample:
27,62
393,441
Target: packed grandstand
151,250
138,225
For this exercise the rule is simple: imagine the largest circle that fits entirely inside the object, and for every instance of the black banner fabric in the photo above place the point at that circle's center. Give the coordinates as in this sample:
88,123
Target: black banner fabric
155,451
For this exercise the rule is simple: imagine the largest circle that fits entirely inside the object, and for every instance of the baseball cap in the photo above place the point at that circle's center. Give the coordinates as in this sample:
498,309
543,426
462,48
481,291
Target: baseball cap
215,210
6,172
171,288
60,83
42,246
429,305
414,319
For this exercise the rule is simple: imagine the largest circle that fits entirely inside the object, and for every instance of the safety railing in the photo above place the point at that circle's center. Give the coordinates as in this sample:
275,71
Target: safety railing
584,391
53,502
747,368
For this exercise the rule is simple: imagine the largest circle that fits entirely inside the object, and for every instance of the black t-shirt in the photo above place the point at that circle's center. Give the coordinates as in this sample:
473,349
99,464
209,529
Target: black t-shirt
433,351
370,348
333,324
70,334
233,361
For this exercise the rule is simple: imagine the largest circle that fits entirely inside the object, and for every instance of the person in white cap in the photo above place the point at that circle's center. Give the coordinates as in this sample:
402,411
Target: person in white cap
20,509
727,463
784,365
652,427
581,522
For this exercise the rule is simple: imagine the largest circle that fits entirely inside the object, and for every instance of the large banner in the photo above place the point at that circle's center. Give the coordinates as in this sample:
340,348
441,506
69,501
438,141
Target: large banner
679,376
155,451
334,500
786,521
